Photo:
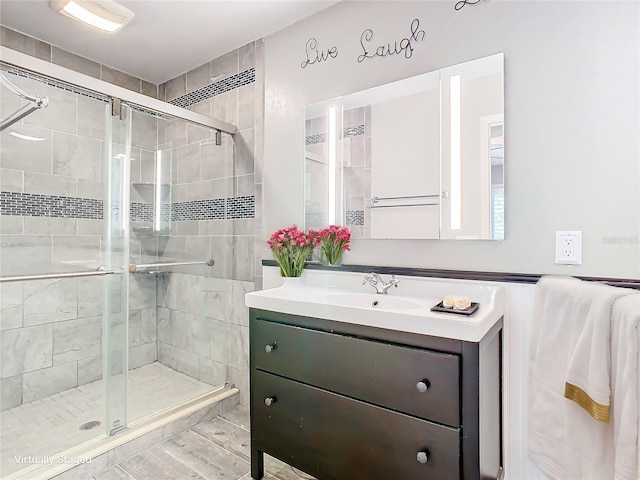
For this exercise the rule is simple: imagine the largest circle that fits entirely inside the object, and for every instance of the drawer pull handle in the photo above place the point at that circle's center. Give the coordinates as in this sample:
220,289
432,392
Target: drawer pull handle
269,401
423,456
423,386
270,348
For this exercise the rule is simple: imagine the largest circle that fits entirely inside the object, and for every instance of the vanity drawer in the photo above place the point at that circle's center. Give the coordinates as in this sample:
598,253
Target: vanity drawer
334,437
415,381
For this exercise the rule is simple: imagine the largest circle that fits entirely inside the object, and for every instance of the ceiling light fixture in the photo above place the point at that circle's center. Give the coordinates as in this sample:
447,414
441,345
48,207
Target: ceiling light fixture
105,15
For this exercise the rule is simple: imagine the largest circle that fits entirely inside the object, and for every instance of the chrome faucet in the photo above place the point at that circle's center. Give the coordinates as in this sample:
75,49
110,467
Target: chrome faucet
380,285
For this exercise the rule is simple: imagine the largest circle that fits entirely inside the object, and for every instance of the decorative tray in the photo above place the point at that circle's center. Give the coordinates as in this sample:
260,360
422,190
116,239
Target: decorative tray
459,311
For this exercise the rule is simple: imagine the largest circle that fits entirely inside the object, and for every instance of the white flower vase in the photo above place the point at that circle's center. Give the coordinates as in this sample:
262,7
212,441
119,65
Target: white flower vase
336,263
291,282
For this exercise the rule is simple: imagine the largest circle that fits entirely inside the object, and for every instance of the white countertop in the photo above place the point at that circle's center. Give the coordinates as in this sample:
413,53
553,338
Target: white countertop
318,294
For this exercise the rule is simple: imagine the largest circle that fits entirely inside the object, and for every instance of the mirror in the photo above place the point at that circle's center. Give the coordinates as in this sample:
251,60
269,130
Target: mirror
420,158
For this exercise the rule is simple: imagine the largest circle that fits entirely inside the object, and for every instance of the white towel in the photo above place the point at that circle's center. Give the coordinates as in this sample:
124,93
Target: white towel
564,440
625,385
588,381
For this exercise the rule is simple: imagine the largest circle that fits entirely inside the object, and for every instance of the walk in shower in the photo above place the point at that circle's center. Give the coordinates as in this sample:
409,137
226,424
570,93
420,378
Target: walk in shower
113,261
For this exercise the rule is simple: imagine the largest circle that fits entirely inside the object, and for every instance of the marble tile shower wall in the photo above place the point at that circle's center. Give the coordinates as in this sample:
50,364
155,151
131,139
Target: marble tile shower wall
51,337
201,172
203,332
51,330
203,327
142,331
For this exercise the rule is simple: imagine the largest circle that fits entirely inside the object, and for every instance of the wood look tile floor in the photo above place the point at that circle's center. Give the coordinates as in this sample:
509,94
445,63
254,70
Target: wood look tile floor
214,449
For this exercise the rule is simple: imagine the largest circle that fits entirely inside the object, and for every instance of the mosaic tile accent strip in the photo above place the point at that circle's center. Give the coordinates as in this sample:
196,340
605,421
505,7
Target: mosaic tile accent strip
498,216
216,88
354,217
313,220
317,219
212,209
141,212
315,139
241,207
36,205
146,111
353,131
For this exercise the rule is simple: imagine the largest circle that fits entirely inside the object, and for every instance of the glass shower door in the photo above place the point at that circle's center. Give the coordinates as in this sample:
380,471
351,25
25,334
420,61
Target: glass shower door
116,168
64,228
94,334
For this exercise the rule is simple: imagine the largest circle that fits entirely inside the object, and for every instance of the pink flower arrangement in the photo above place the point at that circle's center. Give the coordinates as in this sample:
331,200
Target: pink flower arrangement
333,241
291,247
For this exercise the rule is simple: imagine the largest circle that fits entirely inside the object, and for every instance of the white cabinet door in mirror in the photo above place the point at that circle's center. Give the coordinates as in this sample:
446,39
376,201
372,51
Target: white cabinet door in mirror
405,137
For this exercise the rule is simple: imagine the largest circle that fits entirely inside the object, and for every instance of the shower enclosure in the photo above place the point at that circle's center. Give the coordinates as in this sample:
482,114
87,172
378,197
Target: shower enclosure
113,271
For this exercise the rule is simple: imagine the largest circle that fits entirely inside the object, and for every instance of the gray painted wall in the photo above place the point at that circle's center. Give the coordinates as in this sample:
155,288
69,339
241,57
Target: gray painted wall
572,157
571,122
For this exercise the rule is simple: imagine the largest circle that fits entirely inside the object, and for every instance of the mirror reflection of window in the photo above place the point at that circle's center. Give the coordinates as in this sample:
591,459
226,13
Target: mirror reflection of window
405,151
497,181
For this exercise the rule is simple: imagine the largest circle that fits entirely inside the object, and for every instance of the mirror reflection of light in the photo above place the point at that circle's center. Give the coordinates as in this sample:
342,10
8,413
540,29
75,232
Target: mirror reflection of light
332,165
456,166
158,209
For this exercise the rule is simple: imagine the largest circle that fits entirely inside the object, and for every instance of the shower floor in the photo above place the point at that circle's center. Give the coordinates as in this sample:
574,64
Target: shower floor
51,425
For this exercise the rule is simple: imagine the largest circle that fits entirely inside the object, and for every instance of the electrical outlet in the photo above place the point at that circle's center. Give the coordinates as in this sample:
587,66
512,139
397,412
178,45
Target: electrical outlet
569,248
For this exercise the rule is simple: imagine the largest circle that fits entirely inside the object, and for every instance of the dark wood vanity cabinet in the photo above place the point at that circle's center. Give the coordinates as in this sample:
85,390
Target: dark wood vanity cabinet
348,402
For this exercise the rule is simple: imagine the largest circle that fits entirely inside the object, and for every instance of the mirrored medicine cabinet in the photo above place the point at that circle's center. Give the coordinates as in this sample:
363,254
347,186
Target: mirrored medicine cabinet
419,158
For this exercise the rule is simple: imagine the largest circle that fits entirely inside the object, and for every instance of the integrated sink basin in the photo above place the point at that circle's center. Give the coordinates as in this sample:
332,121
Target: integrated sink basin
342,297
370,300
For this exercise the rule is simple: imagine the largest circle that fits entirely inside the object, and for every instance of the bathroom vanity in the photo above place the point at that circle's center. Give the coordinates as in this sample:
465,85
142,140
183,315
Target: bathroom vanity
366,396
